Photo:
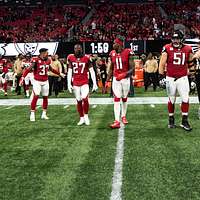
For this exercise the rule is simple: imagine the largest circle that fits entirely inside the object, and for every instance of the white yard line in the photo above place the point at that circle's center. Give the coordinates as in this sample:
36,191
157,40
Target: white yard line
94,101
116,193
67,106
10,107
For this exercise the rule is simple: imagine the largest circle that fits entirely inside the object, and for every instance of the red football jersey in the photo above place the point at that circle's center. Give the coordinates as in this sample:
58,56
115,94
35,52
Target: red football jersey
177,60
41,67
120,61
80,68
3,65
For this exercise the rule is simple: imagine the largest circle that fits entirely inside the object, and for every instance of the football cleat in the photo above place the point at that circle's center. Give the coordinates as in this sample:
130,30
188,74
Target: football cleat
86,119
171,122
116,124
32,117
185,124
124,120
81,122
44,116
5,94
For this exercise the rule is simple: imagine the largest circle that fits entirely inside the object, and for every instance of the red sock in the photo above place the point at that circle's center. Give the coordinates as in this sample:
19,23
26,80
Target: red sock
170,107
45,103
80,108
185,107
34,102
5,86
85,105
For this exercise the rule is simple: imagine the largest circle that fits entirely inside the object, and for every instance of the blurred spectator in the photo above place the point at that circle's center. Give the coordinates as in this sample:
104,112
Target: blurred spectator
150,67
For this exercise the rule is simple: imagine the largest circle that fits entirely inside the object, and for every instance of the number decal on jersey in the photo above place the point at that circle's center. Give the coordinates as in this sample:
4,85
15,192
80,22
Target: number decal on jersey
76,65
179,58
119,63
42,70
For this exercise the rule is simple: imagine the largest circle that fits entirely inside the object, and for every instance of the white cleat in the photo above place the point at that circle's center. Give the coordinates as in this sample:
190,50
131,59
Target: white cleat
81,122
87,121
44,116
32,117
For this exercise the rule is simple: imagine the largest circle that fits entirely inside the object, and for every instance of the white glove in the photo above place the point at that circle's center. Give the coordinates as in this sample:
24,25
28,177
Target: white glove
94,88
70,88
62,75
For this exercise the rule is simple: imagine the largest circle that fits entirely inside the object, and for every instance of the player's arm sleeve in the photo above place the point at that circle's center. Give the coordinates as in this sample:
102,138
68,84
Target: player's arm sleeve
69,73
163,61
92,73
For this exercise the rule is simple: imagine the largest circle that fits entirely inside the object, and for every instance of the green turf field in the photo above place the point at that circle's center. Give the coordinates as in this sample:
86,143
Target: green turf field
56,160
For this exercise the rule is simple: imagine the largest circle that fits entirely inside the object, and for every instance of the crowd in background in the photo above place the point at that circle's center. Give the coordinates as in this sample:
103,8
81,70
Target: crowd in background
135,21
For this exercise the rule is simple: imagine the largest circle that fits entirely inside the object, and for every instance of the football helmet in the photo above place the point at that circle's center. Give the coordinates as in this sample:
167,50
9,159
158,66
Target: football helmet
177,39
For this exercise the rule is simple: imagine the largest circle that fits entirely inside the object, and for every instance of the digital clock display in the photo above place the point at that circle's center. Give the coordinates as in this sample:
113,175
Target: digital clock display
98,47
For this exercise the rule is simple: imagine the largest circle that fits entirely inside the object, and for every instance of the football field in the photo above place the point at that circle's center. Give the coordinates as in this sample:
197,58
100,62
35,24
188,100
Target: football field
56,160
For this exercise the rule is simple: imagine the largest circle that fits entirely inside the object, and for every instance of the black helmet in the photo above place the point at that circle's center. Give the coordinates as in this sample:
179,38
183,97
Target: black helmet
177,38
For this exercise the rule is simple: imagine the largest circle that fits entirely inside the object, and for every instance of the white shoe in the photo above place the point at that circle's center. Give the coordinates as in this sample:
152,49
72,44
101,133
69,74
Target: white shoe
81,122
27,93
87,121
32,117
44,116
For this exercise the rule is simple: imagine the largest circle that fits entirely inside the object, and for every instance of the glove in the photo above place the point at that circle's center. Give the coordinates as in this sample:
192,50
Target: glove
70,88
121,76
94,88
21,82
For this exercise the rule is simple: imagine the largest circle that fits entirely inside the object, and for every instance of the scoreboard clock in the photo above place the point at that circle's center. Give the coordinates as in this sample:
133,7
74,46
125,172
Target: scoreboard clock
98,47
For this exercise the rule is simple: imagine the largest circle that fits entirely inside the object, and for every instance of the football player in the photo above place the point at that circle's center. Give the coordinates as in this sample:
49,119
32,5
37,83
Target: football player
79,65
122,67
40,66
176,57
4,73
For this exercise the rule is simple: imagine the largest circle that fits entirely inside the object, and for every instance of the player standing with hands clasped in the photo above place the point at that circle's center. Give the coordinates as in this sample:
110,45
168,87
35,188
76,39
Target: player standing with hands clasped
79,65
176,57
122,67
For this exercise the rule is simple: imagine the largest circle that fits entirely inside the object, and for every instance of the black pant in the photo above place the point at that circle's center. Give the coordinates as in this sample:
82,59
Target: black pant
197,77
18,88
53,85
150,78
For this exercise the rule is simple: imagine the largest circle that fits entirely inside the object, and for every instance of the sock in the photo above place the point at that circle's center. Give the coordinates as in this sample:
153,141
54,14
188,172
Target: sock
85,105
45,103
117,108
185,108
170,108
80,108
124,107
34,102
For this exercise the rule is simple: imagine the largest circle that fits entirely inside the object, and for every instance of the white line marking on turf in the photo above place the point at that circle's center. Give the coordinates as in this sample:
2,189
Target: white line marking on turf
67,106
95,101
116,193
10,107
94,106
